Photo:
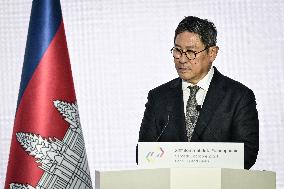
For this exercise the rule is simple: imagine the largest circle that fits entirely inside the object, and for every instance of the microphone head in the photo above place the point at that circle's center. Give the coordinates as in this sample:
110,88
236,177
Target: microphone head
169,108
198,107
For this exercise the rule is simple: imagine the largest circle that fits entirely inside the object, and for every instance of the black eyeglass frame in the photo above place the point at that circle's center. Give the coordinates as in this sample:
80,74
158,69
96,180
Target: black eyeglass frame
185,52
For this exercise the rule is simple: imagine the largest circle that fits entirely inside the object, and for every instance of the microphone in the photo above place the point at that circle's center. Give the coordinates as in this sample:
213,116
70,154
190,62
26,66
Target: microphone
197,134
198,108
169,109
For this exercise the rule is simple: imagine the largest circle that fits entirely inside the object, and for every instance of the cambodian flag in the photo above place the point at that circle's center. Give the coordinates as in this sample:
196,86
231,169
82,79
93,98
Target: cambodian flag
47,148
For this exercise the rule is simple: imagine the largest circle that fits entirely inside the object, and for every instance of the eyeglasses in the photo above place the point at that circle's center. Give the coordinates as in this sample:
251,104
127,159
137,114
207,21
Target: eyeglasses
191,55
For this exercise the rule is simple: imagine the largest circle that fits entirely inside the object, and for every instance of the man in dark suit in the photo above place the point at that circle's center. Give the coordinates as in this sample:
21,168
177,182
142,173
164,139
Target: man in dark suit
202,105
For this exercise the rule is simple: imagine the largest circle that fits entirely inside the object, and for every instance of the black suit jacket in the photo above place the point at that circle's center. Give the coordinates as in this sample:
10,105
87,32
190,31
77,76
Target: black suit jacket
228,114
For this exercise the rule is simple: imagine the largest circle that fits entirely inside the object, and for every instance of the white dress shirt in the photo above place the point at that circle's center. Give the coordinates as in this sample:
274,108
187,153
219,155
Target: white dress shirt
201,93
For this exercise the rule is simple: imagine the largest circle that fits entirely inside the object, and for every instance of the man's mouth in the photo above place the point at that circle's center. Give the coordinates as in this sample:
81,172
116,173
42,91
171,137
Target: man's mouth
183,69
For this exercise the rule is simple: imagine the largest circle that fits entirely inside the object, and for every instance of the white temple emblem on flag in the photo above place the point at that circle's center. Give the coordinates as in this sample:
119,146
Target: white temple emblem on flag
64,162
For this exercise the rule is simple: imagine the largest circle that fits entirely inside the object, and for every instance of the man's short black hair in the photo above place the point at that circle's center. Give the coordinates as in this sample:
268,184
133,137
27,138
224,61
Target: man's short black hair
204,28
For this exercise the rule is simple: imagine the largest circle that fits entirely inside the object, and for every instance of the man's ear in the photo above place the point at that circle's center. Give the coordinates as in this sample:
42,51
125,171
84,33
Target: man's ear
213,51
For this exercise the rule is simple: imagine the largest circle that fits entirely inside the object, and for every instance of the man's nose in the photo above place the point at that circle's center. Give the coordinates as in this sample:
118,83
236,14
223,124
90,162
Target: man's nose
183,59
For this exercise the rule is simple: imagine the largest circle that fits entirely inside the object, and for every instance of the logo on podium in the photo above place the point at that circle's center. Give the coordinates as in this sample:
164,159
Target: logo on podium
153,155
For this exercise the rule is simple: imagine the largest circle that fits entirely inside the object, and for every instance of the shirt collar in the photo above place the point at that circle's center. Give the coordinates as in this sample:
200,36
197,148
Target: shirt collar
203,83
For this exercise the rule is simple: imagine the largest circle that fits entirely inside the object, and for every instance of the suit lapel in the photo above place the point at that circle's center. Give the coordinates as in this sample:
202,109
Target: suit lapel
212,100
175,101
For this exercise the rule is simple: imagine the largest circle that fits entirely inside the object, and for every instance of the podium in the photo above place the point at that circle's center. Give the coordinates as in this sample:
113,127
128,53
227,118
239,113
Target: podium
181,178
